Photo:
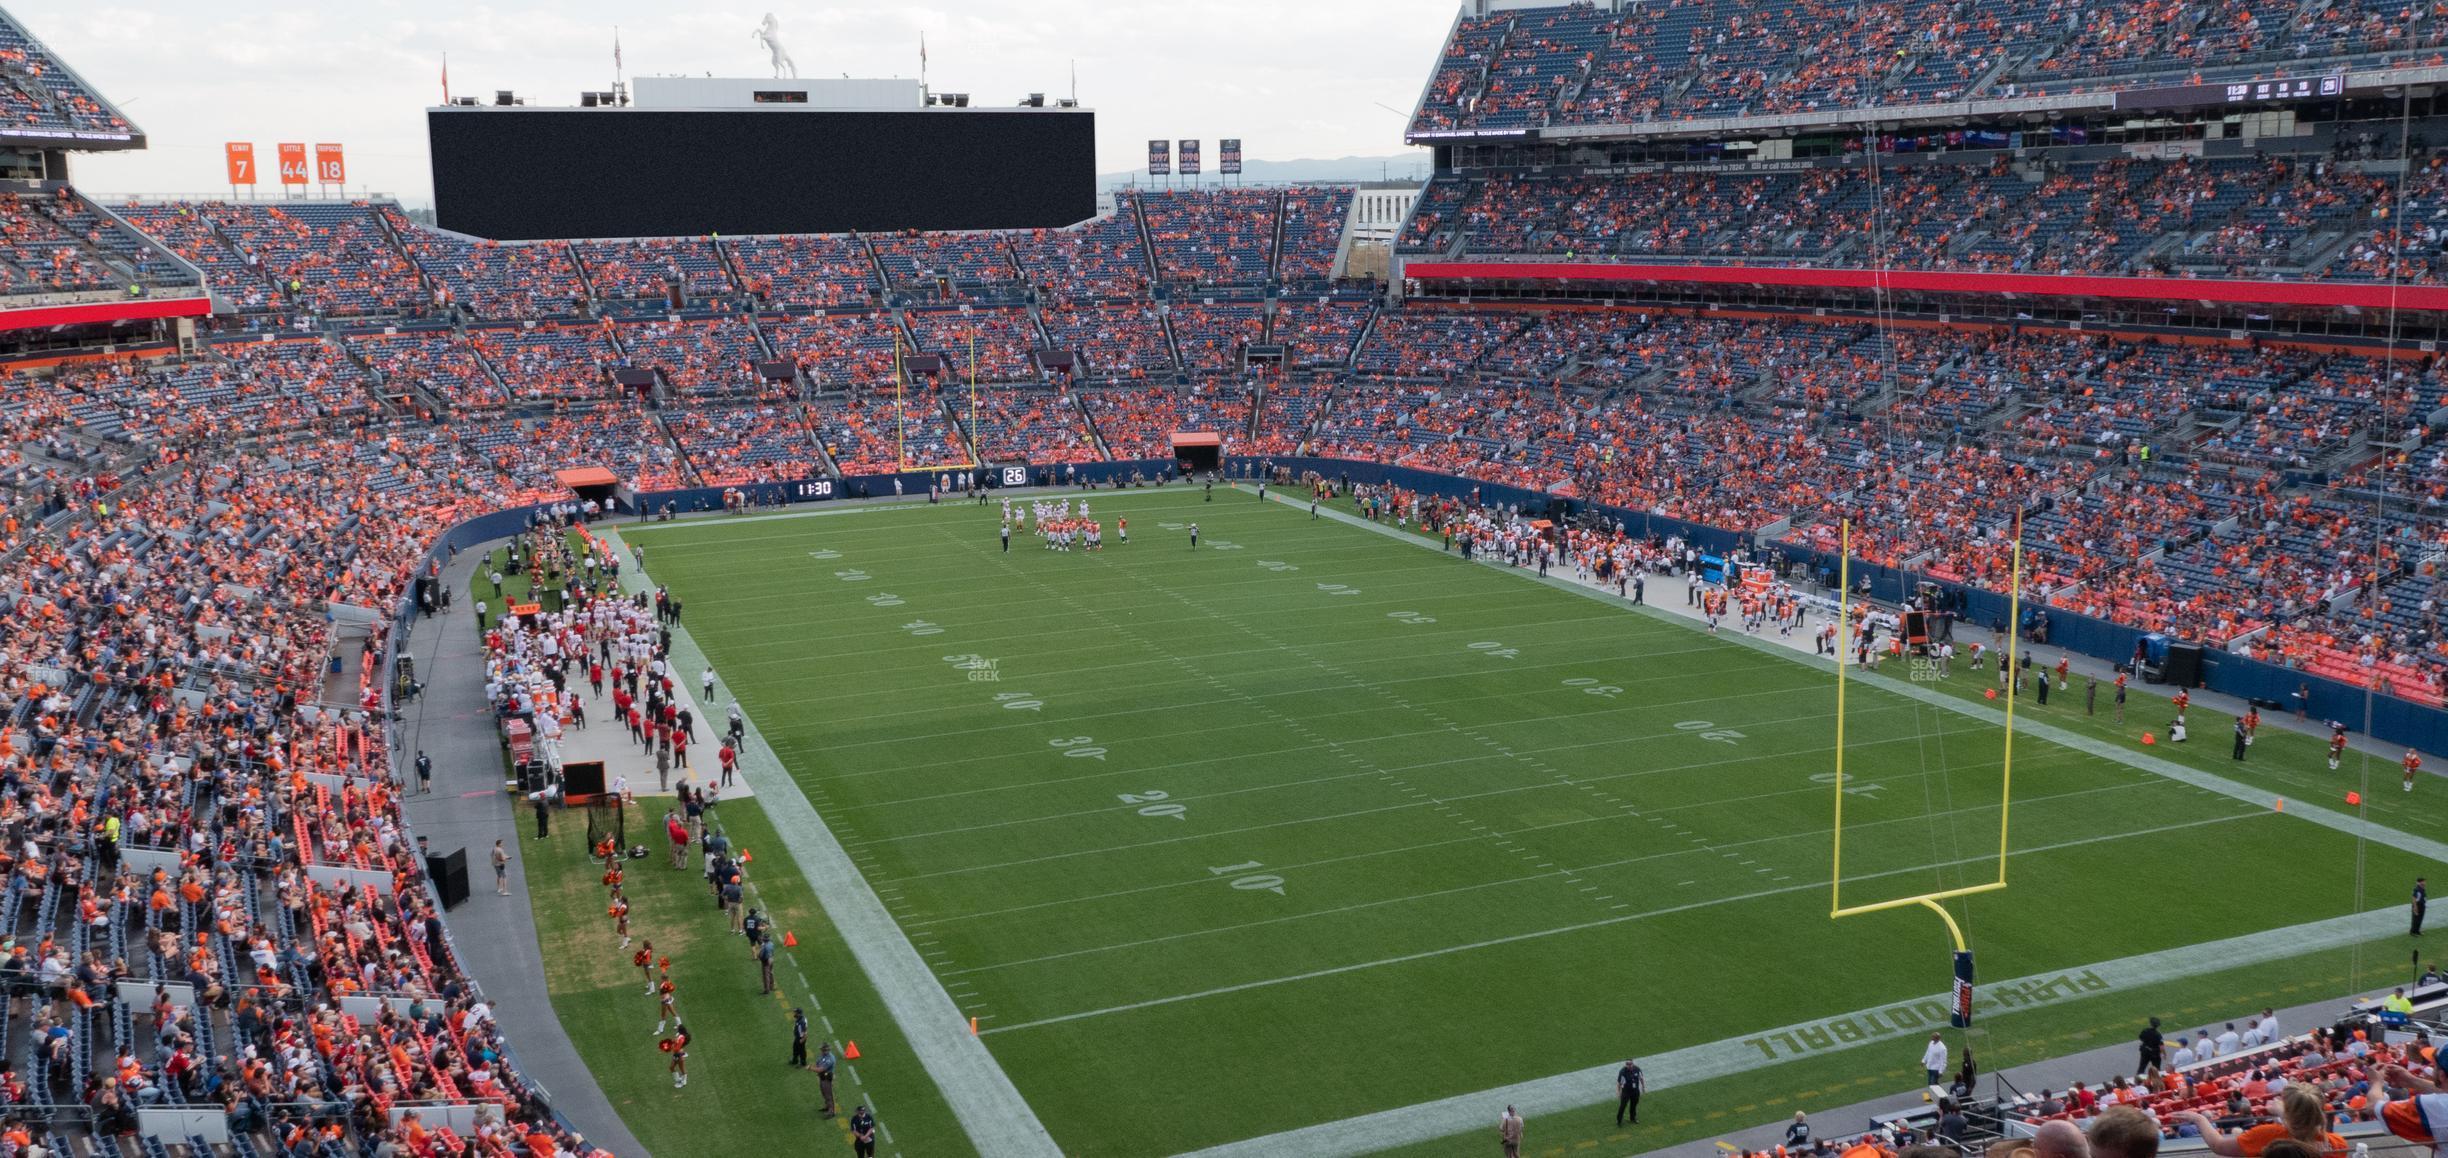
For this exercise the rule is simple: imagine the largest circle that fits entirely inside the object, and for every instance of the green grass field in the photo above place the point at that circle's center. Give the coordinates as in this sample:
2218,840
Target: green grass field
1312,823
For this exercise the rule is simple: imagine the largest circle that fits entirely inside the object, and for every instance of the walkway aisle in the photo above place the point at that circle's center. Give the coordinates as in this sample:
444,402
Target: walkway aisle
494,936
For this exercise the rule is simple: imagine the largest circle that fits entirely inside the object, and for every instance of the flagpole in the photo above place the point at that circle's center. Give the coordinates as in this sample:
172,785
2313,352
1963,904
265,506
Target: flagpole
446,78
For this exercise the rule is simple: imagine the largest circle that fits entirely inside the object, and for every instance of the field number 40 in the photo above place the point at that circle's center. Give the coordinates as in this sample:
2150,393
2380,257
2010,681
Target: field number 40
1710,732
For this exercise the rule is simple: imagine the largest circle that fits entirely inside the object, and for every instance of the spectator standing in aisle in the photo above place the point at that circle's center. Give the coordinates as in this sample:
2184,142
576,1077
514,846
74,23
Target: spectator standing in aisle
501,869
1628,1086
2154,1048
1797,1135
1933,1060
424,772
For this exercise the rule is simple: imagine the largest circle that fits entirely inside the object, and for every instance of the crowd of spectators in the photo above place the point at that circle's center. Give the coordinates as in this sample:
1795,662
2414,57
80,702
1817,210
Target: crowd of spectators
165,683
710,356
1576,64
764,441
1433,343
39,94
871,430
333,259
948,266
1139,421
655,275
1000,340
806,272
1027,425
435,362
1115,339
549,363
834,351
1101,260
1211,237
1212,335
1320,332
1313,220
2274,215
491,281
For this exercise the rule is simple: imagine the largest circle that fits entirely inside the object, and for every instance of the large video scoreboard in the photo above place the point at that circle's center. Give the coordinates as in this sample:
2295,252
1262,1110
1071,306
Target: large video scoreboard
521,174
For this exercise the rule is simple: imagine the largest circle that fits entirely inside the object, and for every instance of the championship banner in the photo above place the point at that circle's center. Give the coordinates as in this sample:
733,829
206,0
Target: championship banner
1189,158
239,158
330,168
1160,159
1228,156
293,163
1959,1011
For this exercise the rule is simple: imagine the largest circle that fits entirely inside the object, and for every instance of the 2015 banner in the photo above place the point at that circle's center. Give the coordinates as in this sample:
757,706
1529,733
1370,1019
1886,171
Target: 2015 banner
1228,156
1189,158
1160,159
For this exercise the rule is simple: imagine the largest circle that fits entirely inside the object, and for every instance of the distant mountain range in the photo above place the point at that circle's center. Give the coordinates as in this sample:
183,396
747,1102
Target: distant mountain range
1409,165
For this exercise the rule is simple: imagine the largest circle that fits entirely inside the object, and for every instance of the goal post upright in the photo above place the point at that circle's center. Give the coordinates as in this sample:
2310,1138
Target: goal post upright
1933,901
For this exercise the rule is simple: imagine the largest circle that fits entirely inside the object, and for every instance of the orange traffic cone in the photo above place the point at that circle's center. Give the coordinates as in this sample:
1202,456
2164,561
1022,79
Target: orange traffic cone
973,1027
1990,692
2280,805
790,940
2354,799
850,1050
746,856
2148,739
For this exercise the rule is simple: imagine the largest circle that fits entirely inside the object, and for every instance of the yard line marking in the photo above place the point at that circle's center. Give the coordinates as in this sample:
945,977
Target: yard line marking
1506,845
1429,1121
981,1096
2210,782
1585,713
1578,927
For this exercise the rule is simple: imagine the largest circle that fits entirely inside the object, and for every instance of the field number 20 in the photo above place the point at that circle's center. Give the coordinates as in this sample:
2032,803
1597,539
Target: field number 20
1148,799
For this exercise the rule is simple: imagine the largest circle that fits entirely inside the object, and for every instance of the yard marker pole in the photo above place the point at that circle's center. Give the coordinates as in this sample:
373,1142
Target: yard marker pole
1844,639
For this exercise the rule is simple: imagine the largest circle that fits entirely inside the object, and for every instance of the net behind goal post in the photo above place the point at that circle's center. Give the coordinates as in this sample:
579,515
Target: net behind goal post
606,817
1848,651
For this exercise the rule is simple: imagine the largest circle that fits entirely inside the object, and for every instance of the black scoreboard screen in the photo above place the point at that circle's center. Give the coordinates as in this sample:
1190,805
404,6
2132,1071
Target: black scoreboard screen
520,174
2273,89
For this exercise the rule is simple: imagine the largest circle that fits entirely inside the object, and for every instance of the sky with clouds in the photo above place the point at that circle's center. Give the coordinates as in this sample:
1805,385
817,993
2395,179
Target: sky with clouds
1292,78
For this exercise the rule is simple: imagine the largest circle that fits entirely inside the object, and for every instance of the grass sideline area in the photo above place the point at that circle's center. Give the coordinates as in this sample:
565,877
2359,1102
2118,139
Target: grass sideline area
742,1097
1264,836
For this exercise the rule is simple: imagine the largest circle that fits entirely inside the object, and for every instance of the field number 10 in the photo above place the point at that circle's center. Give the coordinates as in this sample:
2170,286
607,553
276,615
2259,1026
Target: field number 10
1253,882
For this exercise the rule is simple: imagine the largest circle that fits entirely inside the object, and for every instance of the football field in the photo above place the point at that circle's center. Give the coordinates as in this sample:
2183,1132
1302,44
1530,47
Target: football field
1311,822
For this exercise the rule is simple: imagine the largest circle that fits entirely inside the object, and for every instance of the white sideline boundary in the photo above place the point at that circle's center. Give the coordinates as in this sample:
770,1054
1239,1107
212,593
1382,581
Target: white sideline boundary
989,1108
1429,1121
